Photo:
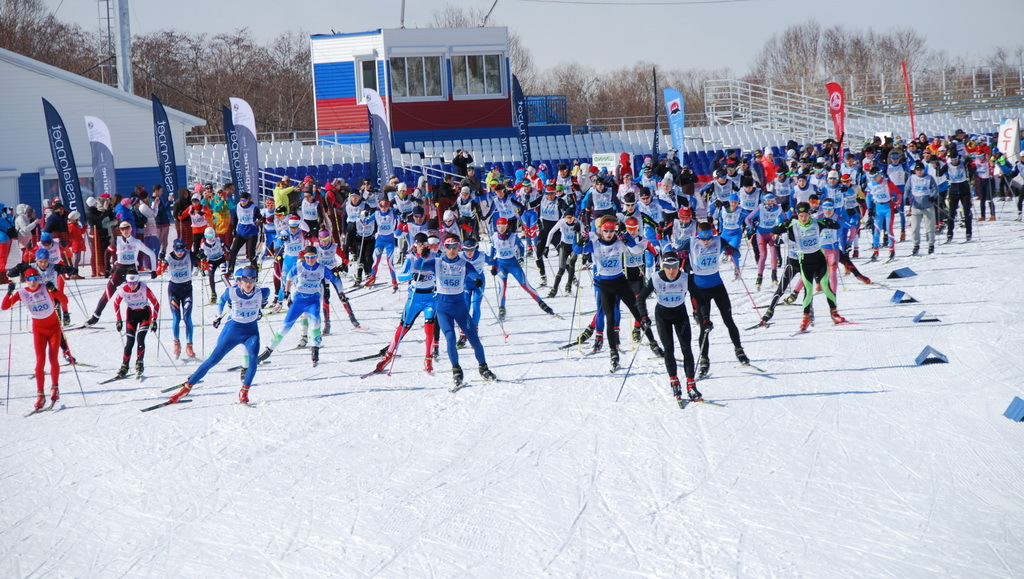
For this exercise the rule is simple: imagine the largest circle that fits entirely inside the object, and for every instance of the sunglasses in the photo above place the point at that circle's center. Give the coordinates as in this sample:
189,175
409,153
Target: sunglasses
670,264
455,245
32,278
310,256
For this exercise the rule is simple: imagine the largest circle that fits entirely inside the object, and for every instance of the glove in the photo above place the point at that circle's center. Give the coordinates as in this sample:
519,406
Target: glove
278,257
259,315
494,270
119,325
424,252
645,323
11,287
152,326
50,287
161,267
205,265
622,237
344,268
216,321
153,274
520,261
290,300
479,282
74,271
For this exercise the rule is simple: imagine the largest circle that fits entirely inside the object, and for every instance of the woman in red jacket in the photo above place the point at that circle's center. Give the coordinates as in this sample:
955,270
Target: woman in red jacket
45,327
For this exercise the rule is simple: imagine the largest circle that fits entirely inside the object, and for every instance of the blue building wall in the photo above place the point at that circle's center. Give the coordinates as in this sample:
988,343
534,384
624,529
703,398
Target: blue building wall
30,188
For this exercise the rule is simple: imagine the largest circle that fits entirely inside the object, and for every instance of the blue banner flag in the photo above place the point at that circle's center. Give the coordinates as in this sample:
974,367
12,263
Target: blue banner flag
164,148
521,117
675,109
63,159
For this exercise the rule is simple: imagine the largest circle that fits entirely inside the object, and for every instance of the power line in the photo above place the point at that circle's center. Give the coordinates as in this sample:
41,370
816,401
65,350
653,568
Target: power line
632,3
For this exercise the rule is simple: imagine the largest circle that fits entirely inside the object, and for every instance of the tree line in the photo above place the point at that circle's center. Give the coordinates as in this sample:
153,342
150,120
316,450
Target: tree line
196,73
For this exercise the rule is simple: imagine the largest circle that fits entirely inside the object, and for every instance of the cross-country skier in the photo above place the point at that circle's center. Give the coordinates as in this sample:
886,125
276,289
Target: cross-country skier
246,302
921,194
128,250
141,312
420,300
804,233
507,253
46,331
178,264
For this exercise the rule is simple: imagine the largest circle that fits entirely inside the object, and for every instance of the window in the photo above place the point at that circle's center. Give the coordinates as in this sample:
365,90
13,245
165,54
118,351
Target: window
477,74
416,76
367,75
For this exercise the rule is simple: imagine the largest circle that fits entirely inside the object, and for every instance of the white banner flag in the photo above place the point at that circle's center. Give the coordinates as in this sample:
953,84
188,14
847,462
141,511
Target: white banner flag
1009,139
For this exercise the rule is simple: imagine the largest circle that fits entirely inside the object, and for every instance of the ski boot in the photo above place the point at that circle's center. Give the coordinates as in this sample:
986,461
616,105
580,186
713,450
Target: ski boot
903,235
277,307
327,327
435,352
315,354
213,298
790,299
892,254
122,371
501,314
775,277
546,309
757,281
428,365
92,320
543,281
856,252
457,375
657,350
69,358
185,389
598,343
265,354
553,292
40,401
916,250
370,281
677,391
303,342
54,394
189,352
636,335
742,356
615,358
836,318
486,373
703,369
394,286
462,342
805,323
139,368
863,278
568,284
584,335
931,249
874,255
692,392
243,395
384,362
177,349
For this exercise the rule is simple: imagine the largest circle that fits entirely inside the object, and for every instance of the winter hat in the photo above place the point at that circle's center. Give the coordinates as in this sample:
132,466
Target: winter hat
198,188
74,216
90,202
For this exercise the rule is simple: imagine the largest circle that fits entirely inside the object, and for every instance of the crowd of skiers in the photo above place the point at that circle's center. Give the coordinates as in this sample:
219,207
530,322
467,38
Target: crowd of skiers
657,232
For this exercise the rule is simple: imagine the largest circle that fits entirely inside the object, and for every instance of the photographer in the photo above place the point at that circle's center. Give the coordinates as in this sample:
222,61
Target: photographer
462,161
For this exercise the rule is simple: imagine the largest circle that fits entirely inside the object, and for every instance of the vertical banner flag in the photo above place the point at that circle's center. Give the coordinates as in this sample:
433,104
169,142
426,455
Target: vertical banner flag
164,148
380,137
63,159
234,155
521,117
248,149
657,119
674,110
910,99
837,108
1008,139
103,177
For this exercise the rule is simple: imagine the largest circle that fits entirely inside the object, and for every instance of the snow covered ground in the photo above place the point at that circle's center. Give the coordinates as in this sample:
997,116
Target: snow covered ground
844,460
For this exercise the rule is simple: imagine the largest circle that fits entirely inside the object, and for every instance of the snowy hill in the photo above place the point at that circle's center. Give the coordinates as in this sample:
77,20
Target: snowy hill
845,459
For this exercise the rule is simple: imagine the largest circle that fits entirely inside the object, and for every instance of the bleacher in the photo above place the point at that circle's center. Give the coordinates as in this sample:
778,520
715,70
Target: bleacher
703,145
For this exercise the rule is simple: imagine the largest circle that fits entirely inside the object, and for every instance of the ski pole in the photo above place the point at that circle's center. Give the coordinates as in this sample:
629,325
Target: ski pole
74,366
500,323
623,385
10,345
752,302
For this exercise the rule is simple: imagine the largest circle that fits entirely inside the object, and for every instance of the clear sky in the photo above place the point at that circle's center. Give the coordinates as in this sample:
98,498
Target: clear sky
605,34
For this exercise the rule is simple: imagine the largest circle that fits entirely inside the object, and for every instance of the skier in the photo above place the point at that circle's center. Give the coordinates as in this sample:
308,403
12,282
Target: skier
420,300
335,260
451,274
128,250
804,233
882,196
767,216
178,264
921,194
307,277
671,317
636,272
212,255
506,254
247,302
702,253
290,242
46,331
142,310
607,254
566,228
386,221
959,194
474,293
247,231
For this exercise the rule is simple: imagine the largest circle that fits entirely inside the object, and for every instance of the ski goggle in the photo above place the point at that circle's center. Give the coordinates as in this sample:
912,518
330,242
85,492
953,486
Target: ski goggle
705,234
309,256
32,278
452,245
246,279
670,263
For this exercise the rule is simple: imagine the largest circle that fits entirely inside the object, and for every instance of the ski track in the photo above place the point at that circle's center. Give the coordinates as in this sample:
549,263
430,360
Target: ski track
845,459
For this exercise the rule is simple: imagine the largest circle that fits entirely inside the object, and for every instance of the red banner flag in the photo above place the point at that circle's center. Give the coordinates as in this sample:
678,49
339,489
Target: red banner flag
837,108
910,99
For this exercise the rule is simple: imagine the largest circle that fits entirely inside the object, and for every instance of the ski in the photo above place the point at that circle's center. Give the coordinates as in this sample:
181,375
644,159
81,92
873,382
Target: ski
751,367
758,325
798,332
114,379
371,373
83,327
45,408
846,323
682,403
166,403
370,357
237,368
457,387
711,402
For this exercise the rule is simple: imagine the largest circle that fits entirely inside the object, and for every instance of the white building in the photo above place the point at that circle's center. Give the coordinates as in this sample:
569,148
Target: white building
27,174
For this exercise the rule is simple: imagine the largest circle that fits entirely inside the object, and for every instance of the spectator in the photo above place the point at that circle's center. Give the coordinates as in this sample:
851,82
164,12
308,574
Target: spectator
76,240
7,234
162,203
462,161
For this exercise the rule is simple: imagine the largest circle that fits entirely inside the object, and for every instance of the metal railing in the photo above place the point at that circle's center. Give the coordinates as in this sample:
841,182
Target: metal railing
547,109
638,123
